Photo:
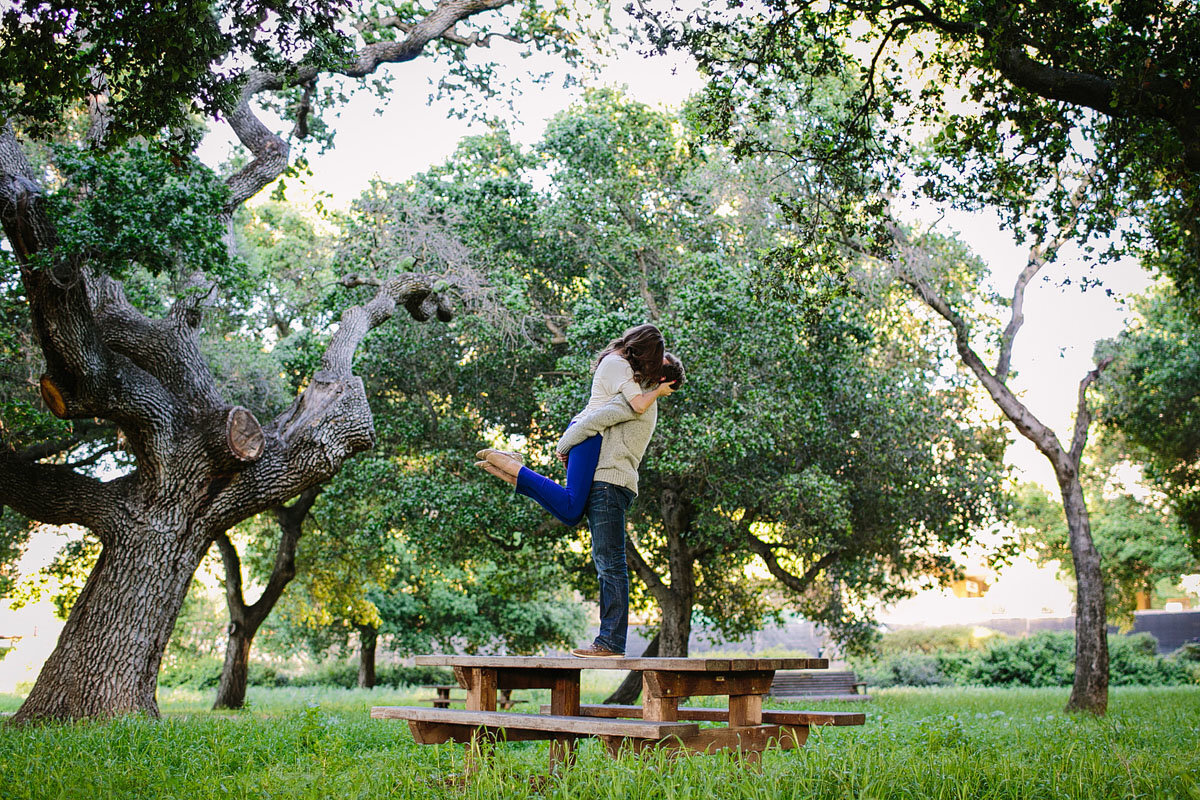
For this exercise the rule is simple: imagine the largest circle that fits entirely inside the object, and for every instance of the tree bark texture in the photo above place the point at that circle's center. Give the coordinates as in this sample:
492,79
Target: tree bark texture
235,671
368,637
108,654
202,464
1089,689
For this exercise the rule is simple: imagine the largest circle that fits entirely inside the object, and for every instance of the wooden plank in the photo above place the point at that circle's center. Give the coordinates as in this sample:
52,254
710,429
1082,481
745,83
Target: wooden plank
656,683
775,716
746,740
583,726
818,698
745,710
481,689
570,662
564,702
534,679
440,732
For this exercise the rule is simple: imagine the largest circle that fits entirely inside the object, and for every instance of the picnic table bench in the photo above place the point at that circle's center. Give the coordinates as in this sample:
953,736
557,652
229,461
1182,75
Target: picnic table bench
659,722
818,685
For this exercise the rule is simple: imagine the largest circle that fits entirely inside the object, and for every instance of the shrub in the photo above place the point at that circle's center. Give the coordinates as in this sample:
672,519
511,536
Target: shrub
345,674
904,669
1044,659
1048,659
1134,661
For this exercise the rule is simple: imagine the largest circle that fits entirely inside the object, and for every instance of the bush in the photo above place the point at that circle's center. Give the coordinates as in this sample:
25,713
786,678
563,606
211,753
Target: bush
1187,658
1048,659
345,674
1044,659
205,673
193,672
1134,661
904,669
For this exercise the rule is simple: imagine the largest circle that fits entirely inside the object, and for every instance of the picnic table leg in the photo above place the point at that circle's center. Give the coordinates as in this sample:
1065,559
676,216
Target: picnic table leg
564,701
443,698
656,707
481,696
744,710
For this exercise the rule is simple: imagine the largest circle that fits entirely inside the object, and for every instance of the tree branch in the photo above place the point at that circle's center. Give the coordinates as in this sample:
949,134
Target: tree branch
634,558
291,525
233,576
56,494
84,378
331,420
1083,414
797,583
1039,256
271,152
1030,426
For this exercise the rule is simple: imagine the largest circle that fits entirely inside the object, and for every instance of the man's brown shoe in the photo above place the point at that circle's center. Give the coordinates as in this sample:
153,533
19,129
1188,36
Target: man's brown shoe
595,651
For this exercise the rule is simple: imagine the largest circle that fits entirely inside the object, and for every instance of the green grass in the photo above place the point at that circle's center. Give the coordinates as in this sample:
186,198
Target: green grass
320,743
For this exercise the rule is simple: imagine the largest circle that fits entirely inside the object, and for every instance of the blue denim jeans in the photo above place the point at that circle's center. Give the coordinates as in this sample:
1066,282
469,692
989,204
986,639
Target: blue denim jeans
566,503
606,507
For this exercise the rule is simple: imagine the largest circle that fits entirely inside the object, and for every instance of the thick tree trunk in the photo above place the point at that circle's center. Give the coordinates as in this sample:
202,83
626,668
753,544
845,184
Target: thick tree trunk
1089,692
676,628
231,691
107,658
367,638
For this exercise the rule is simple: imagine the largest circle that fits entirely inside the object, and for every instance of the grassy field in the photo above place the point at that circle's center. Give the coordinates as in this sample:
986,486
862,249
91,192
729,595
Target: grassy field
943,743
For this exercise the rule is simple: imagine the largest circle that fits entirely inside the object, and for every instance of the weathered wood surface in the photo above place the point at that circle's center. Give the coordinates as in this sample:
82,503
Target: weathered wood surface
769,715
663,683
552,724
749,740
517,678
667,664
819,686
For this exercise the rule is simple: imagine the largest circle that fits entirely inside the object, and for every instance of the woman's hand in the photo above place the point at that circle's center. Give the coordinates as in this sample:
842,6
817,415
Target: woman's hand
665,389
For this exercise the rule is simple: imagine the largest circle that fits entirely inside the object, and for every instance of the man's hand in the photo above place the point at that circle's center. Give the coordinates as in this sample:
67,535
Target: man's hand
562,457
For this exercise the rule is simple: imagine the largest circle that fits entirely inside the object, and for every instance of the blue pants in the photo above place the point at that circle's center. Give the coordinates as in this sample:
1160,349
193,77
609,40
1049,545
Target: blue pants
566,503
606,507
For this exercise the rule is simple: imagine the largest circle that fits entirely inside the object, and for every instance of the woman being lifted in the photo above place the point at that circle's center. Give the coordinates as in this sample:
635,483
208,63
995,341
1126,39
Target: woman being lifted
628,377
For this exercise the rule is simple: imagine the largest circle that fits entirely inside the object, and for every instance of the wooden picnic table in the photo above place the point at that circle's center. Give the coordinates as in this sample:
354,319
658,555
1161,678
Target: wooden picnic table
659,722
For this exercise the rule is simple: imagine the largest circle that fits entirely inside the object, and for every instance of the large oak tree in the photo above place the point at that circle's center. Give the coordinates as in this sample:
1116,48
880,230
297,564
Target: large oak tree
87,225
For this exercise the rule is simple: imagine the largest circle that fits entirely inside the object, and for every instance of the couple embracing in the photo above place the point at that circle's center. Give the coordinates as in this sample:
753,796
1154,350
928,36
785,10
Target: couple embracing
602,449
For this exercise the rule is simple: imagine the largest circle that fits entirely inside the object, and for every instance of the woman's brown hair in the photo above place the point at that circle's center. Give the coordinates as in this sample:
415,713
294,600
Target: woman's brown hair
642,346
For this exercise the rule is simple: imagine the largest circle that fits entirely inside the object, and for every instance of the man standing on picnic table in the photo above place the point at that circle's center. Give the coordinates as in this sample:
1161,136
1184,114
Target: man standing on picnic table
626,434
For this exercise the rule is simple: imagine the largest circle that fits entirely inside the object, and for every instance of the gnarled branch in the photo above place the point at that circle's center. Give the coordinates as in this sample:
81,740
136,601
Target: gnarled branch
271,152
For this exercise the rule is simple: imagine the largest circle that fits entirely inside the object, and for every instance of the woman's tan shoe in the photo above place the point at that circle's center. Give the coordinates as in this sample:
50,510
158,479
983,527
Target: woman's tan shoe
504,462
514,456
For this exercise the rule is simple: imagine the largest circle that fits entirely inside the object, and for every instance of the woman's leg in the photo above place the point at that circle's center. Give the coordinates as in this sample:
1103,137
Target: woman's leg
566,503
